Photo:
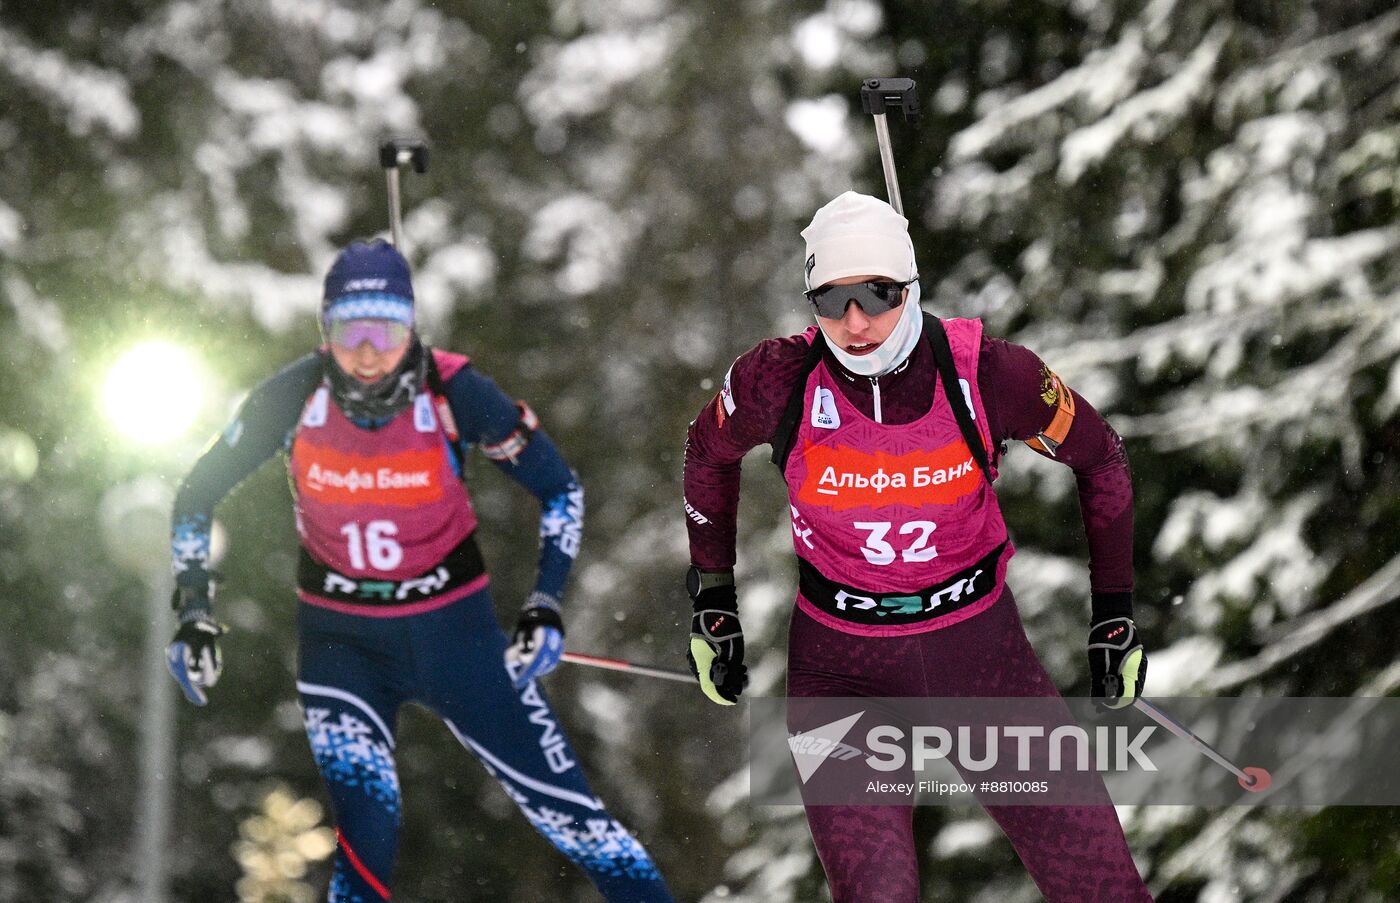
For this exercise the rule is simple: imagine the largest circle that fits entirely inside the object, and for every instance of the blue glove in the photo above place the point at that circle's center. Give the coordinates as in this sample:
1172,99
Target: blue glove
193,656
538,641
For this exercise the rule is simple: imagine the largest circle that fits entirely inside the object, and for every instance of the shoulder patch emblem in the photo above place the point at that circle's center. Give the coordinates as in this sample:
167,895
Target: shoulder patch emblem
1049,387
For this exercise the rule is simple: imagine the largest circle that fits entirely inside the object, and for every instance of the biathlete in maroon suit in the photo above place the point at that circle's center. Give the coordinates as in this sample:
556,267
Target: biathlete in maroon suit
889,508
887,425
394,598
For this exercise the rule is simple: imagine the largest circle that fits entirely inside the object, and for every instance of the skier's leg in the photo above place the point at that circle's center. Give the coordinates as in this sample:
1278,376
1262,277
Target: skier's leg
349,707
514,733
1073,853
867,852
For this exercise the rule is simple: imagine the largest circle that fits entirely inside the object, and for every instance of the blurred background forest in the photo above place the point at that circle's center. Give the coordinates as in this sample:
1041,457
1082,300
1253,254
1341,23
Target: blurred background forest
1189,209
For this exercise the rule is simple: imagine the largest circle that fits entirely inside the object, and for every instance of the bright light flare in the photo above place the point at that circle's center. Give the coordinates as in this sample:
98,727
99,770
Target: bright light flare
153,393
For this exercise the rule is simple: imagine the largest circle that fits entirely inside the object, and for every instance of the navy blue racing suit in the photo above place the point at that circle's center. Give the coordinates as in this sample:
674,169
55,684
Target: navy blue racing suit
371,640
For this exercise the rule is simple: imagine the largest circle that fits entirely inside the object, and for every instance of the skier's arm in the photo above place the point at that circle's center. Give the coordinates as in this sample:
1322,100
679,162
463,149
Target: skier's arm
509,434
742,416
1020,396
259,429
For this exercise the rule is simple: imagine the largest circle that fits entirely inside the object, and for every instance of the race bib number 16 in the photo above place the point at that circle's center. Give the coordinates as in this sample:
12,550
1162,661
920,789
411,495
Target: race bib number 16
375,542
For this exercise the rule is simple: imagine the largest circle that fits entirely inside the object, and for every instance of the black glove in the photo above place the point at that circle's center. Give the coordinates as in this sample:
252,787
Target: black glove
1117,664
716,653
538,640
193,655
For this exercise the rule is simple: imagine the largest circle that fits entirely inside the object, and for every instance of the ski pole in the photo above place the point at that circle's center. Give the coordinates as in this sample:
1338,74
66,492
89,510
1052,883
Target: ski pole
1251,778
877,96
617,664
392,154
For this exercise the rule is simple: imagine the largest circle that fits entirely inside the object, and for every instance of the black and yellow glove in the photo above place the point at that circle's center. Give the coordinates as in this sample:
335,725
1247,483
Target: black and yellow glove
1117,664
716,653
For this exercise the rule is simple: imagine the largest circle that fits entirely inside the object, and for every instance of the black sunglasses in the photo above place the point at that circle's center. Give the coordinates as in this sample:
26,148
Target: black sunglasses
874,298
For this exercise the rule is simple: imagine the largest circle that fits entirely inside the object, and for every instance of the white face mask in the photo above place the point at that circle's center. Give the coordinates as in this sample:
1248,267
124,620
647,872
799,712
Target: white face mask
894,350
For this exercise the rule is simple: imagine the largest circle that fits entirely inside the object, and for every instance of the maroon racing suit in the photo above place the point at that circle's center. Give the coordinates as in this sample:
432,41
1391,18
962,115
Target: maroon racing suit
1073,853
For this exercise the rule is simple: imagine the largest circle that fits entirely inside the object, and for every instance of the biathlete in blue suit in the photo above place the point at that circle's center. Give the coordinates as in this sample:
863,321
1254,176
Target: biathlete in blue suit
394,600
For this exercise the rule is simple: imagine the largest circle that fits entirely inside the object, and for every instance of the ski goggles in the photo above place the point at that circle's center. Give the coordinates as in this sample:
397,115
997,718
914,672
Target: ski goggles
382,335
875,298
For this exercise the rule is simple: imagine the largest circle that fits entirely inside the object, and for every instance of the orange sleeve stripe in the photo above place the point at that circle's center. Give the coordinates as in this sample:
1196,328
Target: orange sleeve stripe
1053,435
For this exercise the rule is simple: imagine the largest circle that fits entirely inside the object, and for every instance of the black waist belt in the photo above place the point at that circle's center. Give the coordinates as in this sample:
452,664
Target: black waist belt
864,607
461,566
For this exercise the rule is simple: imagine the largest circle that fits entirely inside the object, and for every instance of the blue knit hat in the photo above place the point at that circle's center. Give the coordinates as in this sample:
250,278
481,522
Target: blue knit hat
369,279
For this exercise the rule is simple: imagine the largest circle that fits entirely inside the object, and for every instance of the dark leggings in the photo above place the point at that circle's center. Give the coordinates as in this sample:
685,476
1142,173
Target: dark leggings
1073,853
355,673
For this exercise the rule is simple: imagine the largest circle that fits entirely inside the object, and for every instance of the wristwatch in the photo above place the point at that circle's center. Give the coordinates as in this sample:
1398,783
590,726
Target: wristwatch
697,581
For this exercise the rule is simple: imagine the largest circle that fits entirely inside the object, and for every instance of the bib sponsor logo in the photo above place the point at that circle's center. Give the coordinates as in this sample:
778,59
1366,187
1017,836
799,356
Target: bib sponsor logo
317,408
423,419
384,590
824,413
335,478
839,477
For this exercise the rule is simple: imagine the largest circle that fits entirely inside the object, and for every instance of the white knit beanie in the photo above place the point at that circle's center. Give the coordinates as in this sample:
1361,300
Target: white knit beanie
858,235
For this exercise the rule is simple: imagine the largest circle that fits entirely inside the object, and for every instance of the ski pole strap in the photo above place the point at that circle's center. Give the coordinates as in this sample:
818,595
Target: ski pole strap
786,433
952,390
